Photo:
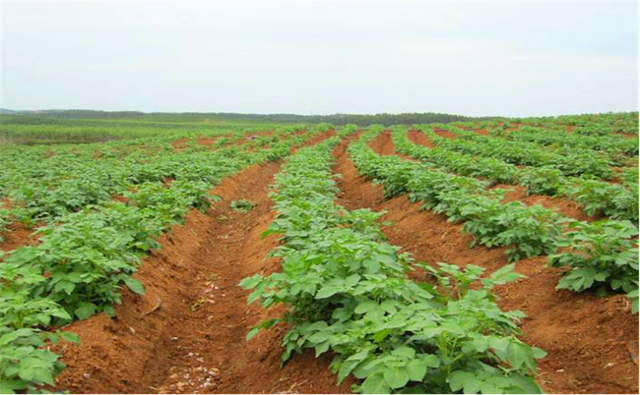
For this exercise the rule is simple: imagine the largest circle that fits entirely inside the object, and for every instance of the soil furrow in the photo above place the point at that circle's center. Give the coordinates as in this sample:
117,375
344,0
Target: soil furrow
187,334
591,341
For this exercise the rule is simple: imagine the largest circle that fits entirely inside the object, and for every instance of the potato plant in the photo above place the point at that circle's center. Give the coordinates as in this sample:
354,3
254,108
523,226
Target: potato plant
526,231
347,291
570,161
88,254
601,255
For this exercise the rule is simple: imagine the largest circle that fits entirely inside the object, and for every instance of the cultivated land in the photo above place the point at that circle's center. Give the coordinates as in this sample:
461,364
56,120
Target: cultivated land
138,253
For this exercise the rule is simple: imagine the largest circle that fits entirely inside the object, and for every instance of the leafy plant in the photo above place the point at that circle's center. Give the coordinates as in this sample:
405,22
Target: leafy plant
347,290
242,205
529,231
613,200
25,365
542,180
91,246
601,255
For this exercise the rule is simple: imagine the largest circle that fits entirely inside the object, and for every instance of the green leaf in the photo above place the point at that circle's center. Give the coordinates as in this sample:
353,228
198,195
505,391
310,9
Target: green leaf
472,386
10,386
134,285
109,310
254,331
416,369
458,379
365,307
320,337
352,280
396,376
431,360
85,310
327,291
70,337
375,384
404,352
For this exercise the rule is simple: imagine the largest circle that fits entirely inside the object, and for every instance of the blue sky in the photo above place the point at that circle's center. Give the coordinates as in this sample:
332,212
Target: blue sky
472,58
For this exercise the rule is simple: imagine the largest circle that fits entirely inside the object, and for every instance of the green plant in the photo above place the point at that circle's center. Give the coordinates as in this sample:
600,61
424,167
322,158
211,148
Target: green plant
242,205
614,200
601,255
347,290
90,246
528,231
25,365
542,180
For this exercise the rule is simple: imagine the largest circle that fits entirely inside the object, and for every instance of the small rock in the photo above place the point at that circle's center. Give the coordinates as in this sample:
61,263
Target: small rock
86,375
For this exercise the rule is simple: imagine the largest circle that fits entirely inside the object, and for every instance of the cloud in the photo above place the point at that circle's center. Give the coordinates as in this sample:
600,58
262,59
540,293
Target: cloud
469,58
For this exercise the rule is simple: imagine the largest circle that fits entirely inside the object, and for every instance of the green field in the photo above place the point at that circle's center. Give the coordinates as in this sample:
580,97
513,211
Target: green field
538,210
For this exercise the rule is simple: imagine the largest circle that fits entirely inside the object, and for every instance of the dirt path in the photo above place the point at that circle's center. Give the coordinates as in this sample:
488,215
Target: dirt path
590,340
187,334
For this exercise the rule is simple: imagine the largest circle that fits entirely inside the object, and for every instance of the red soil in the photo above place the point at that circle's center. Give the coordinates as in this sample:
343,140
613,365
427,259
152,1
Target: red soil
201,140
566,207
180,144
17,235
483,132
628,135
418,137
383,145
315,139
590,341
187,334
445,133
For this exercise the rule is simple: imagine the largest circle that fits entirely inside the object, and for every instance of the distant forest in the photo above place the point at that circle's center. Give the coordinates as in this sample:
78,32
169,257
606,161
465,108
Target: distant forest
336,119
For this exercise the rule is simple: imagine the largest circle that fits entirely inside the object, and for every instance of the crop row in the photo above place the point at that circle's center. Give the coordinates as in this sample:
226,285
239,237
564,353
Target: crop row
616,201
347,291
583,125
600,255
84,259
44,183
569,161
614,146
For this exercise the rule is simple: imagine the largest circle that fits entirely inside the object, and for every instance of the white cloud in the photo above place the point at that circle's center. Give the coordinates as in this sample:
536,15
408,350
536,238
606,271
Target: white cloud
476,59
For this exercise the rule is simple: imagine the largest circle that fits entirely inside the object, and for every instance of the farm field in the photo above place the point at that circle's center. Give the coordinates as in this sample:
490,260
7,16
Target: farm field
203,254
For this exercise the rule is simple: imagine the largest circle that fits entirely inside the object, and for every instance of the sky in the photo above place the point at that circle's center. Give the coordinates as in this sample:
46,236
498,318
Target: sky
470,58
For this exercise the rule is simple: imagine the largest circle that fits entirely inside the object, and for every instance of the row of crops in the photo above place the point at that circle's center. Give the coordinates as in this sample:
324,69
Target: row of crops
45,183
346,288
601,254
615,200
609,124
89,248
100,208
347,291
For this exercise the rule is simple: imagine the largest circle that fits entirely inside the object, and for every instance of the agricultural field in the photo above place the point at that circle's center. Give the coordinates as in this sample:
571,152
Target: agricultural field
195,253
